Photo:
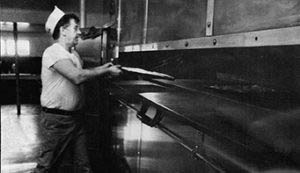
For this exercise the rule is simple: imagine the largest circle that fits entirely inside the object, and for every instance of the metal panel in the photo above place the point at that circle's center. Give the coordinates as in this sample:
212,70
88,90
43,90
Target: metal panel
147,149
183,136
209,17
145,22
272,37
192,109
90,49
132,21
161,153
233,16
82,14
176,19
270,67
127,133
195,141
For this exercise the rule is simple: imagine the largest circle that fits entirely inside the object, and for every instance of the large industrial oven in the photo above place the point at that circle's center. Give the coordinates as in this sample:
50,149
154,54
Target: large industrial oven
234,105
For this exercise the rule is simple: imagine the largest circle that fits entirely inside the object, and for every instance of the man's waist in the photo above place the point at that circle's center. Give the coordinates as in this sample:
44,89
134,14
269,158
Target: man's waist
60,111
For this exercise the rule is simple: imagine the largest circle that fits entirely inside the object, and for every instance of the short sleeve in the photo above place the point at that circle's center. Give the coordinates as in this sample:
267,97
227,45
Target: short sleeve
51,56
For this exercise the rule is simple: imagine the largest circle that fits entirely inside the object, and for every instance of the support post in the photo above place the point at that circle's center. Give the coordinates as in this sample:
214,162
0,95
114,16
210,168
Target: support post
210,17
82,14
145,22
17,74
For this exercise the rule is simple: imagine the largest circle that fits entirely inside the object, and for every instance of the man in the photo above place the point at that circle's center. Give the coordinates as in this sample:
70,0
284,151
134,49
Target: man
62,96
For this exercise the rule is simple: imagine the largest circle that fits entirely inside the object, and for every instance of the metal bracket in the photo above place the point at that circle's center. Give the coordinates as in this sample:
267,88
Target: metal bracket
210,17
147,120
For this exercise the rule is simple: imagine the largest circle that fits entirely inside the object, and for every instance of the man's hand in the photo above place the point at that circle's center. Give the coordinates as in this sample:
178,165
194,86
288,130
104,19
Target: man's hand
109,64
115,70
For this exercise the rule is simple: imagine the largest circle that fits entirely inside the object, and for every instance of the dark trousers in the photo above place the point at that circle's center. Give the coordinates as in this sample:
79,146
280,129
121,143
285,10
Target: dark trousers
62,133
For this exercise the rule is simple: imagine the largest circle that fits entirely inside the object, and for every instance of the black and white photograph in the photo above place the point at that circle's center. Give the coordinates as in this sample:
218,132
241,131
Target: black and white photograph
150,86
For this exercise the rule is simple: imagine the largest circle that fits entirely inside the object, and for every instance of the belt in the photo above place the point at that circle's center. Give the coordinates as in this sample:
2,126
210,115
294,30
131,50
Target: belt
59,111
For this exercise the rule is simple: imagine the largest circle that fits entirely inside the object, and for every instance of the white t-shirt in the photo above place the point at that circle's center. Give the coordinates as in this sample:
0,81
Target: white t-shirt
57,91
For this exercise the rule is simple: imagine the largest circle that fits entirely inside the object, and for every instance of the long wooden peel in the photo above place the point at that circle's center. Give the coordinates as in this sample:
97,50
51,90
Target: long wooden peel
147,73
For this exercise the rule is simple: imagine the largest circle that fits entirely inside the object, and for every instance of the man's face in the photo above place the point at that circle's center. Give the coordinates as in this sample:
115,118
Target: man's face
72,33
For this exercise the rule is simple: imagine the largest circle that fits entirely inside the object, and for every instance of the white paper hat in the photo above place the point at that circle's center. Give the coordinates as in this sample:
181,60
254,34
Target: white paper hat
53,19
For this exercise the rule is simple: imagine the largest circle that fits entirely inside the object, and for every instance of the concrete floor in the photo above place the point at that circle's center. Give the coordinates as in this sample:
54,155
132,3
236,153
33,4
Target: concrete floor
19,138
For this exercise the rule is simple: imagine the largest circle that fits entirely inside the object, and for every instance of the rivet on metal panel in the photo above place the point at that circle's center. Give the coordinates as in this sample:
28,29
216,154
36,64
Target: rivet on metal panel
194,153
210,17
214,41
186,44
208,24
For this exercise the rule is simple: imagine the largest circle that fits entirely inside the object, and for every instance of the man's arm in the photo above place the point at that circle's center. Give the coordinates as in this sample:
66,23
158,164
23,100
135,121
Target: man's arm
76,75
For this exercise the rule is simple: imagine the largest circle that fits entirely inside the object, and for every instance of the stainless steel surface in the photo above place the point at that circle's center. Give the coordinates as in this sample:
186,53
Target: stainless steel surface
210,17
236,16
177,19
128,136
161,153
145,22
104,48
150,150
132,21
237,127
248,94
196,150
117,48
90,49
82,14
230,128
216,130
272,37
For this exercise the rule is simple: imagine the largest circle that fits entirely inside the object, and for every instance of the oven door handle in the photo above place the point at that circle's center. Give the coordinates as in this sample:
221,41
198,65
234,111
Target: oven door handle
146,119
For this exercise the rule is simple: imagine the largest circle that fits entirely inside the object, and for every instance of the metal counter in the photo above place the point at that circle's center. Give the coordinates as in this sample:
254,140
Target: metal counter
209,132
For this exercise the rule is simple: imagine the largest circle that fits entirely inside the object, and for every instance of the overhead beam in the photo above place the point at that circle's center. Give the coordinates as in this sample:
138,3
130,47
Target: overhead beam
272,37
